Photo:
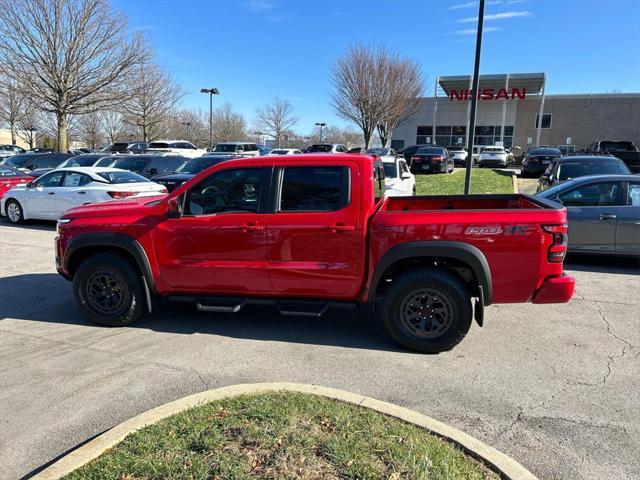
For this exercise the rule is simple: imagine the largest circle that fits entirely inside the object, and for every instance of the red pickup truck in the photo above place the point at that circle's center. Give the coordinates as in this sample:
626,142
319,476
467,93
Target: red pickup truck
306,233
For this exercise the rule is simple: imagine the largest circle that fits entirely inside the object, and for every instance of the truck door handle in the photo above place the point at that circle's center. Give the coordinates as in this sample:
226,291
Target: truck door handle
252,227
607,216
81,193
338,227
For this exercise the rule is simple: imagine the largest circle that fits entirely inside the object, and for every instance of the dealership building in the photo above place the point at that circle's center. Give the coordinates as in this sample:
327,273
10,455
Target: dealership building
515,109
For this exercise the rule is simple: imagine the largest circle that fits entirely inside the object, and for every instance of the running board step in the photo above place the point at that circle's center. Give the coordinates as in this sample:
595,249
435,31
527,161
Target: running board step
302,308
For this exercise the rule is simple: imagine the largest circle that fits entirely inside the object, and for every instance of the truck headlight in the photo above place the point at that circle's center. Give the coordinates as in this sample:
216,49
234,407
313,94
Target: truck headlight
62,221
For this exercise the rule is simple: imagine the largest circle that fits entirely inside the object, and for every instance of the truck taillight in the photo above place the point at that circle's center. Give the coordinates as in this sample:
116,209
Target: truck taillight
558,247
118,195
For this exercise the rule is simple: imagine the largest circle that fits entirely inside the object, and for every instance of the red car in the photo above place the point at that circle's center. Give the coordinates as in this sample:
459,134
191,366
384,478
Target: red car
309,233
10,177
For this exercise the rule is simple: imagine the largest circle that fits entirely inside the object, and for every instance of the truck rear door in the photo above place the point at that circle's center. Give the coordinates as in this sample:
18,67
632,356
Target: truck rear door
316,237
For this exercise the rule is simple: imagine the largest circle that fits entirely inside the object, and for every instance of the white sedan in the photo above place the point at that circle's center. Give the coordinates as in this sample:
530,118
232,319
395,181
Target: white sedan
285,151
55,192
494,157
398,179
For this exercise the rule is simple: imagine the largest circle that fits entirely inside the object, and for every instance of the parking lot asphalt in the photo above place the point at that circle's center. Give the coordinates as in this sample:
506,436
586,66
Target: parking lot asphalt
557,387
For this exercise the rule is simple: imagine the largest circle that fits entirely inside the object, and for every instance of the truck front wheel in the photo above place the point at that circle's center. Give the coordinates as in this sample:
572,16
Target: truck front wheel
427,310
108,290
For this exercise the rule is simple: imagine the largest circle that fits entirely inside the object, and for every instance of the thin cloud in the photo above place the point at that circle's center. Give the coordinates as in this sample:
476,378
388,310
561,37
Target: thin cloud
497,16
472,31
259,5
460,6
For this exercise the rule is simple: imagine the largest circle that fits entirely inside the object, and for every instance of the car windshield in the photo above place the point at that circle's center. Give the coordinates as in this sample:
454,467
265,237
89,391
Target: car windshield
107,162
379,151
597,166
7,171
133,164
544,151
225,148
159,145
122,177
279,152
320,148
198,164
390,169
430,151
80,161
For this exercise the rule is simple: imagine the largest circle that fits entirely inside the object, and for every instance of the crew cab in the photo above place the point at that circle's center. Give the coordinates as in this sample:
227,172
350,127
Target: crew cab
312,232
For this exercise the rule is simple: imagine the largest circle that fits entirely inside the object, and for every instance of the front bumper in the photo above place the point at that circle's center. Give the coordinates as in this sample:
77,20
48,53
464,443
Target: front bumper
555,290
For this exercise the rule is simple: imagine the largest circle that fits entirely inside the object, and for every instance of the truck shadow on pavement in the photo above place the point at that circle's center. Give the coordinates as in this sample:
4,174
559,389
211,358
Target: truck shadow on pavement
46,297
582,262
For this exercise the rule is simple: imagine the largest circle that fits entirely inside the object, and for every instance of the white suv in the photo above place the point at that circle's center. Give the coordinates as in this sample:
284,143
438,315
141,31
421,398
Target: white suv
181,147
241,149
327,148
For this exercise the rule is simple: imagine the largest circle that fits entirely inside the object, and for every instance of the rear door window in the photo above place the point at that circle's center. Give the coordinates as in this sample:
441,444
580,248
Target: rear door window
314,189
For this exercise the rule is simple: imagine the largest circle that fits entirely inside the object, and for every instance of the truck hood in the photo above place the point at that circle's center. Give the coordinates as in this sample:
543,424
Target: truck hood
136,205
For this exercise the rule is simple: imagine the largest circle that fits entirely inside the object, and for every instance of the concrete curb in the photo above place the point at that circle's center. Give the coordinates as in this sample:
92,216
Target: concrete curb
514,179
505,465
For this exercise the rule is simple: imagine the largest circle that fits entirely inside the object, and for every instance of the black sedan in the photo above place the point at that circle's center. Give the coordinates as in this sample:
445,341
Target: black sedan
431,160
537,160
189,170
566,168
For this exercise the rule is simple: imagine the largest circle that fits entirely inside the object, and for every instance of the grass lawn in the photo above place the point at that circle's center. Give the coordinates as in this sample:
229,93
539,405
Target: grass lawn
482,181
282,435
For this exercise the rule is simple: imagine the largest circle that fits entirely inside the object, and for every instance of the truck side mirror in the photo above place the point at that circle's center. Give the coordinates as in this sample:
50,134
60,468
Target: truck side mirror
174,209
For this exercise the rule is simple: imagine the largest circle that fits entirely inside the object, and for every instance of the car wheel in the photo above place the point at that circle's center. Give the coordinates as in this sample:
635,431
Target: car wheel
427,310
108,290
14,212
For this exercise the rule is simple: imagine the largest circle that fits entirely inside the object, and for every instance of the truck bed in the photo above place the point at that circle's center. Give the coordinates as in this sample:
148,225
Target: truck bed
463,202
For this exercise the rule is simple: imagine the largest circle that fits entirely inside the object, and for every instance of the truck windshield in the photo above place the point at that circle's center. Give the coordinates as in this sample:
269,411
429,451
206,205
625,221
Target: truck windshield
624,146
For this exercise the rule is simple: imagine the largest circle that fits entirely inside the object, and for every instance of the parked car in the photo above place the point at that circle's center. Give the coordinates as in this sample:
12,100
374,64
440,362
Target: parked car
189,170
537,160
410,151
178,147
146,165
459,154
42,150
285,151
327,148
398,179
27,162
82,160
240,149
566,168
385,154
432,160
10,177
475,155
128,147
49,196
603,212
493,157
10,150
622,149
316,236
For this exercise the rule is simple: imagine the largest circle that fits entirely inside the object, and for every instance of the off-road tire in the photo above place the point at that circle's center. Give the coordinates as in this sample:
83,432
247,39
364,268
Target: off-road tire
449,290
120,280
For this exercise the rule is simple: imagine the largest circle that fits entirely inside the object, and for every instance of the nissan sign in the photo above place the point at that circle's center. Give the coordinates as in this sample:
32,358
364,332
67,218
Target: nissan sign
489,94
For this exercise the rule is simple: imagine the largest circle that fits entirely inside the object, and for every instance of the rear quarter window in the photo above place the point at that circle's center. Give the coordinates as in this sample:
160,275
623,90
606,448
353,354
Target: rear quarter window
314,189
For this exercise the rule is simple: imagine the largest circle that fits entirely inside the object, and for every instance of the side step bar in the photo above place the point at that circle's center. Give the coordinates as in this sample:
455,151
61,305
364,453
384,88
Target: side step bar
289,307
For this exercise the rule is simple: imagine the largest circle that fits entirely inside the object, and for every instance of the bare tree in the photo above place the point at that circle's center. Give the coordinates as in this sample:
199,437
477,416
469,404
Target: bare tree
28,124
71,56
90,126
367,87
11,104
228,125
112,126
153,101
276,118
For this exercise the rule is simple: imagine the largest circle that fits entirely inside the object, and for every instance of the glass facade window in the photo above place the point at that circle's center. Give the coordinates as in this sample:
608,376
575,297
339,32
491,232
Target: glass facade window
425,130
447,135
546,120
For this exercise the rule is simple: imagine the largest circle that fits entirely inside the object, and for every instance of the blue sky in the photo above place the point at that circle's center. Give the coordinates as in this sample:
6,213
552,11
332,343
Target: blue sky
253,50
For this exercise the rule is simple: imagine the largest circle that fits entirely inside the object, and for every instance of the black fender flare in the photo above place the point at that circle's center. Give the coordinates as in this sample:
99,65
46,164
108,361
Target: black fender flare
118,240
460,251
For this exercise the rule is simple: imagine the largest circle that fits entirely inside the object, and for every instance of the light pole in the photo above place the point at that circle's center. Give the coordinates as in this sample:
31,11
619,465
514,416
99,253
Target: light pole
211,92
32,137
187,124
321,125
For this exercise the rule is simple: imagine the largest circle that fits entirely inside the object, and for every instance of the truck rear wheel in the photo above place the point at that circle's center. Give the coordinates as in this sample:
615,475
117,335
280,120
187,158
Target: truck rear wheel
108,290
427,310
